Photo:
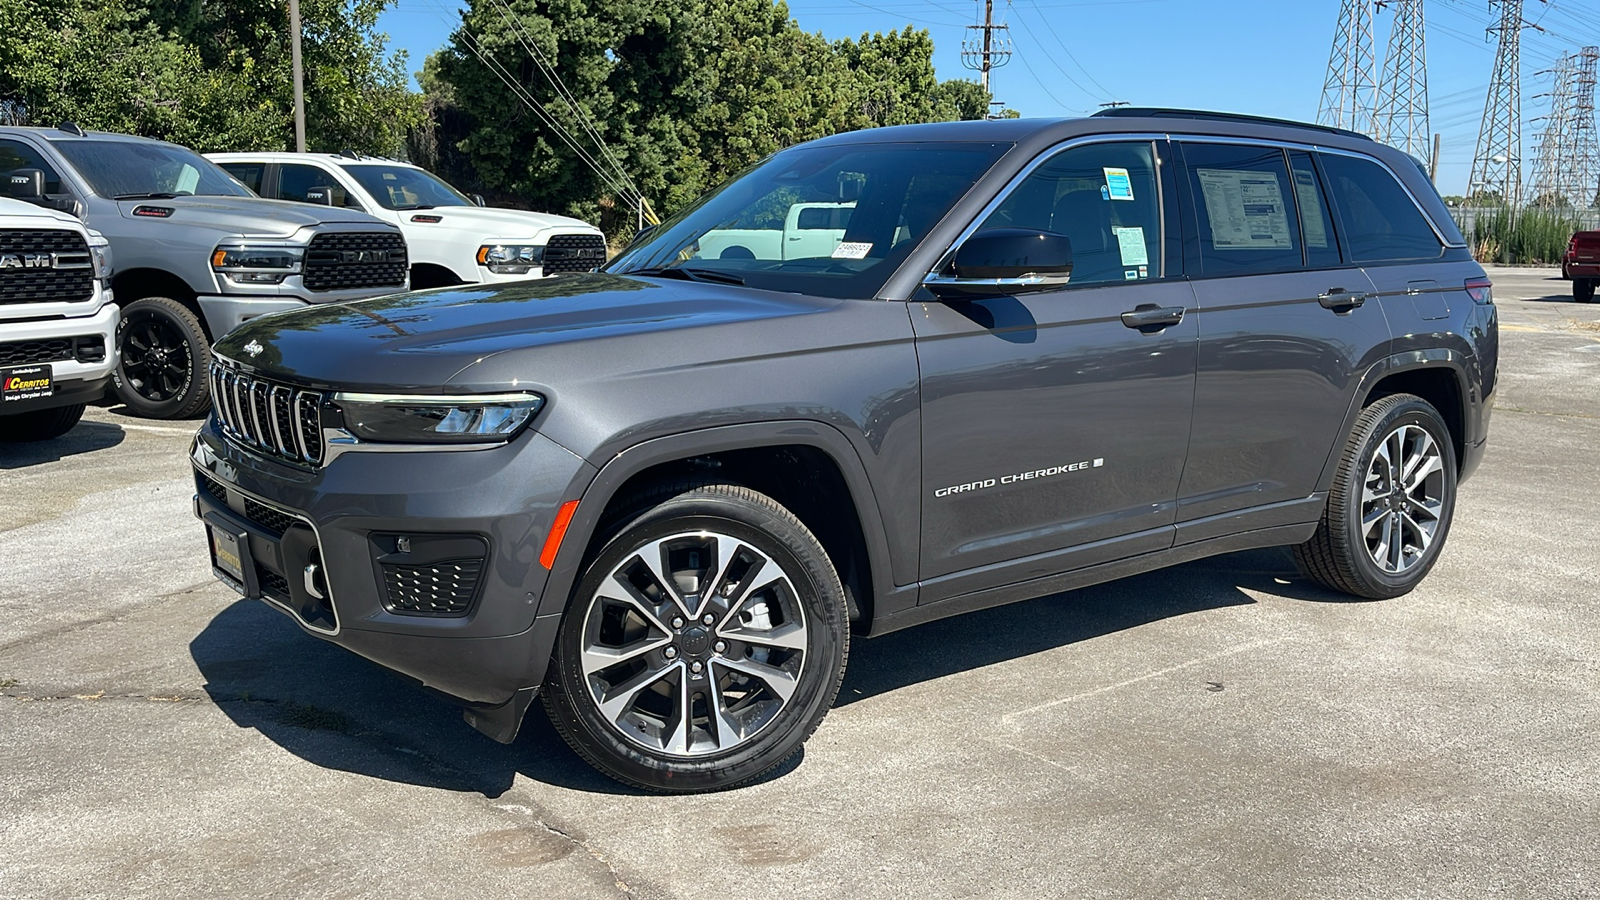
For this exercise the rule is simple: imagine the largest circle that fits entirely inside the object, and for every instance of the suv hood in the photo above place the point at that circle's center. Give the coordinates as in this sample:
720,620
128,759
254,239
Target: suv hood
244,216
501,224
505,335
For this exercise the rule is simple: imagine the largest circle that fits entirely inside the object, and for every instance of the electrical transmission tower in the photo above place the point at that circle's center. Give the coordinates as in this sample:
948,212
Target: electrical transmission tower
1347,94
986,46
1497,163
1546,184
1402,118
1585,185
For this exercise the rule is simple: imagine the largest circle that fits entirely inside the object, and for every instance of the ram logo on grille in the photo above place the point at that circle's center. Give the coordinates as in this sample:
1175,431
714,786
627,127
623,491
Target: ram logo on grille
275,419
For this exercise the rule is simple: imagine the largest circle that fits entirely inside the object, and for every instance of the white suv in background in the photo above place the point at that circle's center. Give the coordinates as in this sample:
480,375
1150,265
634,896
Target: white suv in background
451,237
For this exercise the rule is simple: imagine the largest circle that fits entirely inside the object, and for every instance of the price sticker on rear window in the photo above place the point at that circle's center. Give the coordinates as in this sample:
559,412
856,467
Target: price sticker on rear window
1118,185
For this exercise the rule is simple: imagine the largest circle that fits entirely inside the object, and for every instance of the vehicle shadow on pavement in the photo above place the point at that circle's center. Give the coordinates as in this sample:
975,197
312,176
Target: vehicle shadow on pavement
334,709
85,437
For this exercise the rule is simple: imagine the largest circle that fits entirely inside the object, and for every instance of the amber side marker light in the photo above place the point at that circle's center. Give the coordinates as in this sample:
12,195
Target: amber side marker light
558,530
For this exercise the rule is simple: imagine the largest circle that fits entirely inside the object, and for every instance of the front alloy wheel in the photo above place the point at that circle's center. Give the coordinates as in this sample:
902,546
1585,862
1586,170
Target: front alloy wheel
706,641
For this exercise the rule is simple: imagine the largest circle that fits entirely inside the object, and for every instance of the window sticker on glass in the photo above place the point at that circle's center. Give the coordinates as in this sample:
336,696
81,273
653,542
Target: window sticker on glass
1130,241
1118,185
1246,210
852,250
1305,193
1130,275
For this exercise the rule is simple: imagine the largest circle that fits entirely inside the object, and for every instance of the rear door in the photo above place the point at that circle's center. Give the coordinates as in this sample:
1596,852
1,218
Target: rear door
1285,329
1052,430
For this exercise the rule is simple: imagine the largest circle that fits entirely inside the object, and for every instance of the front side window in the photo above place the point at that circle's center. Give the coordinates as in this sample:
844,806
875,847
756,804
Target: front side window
295,181
16,155
146,170
1246,209
1381,222
1105,198
834,220
404,187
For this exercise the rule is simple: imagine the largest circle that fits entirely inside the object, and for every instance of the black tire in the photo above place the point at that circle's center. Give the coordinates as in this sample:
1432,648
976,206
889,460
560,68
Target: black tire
165,357
1583,290
683,511
1339,555
40,425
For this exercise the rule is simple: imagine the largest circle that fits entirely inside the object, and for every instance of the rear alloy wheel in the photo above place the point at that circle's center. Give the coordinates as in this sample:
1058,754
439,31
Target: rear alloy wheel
1391,502
704,645
1583,290
165,355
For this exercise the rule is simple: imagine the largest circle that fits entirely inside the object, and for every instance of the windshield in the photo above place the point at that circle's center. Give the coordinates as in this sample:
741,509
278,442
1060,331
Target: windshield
403,187
831,220
140,170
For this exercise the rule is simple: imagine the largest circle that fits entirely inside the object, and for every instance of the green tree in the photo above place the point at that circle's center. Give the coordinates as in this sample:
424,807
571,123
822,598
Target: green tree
681,95
212,74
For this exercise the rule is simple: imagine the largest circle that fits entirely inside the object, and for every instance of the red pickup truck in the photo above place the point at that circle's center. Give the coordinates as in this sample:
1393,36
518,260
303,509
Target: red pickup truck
1582,264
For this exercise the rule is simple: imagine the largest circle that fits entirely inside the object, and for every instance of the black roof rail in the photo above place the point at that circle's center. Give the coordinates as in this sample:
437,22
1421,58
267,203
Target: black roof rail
1143,112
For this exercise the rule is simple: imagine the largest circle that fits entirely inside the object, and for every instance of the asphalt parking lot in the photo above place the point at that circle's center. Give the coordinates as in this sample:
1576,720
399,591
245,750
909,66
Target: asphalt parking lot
1221,729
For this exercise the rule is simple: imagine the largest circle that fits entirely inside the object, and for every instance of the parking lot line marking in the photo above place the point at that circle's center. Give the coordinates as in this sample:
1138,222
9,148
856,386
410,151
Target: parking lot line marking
1230,651
154,429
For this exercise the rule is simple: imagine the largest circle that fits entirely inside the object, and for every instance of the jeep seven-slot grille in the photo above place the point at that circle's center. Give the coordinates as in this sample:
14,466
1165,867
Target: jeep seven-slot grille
442,588
25,279
574,253
15,353
276,419
344,261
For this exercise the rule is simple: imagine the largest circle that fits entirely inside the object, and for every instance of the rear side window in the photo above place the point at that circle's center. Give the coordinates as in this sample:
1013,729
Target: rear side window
1316,222
1245,207
1381,222
249,174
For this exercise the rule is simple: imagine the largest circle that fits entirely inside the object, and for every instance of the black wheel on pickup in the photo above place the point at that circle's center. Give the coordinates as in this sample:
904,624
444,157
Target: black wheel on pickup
40,425
705,642
1583,290
1391,503
165,356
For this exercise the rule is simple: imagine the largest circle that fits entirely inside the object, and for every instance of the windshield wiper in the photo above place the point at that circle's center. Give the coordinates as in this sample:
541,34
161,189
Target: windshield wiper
152,195
417,206
687,274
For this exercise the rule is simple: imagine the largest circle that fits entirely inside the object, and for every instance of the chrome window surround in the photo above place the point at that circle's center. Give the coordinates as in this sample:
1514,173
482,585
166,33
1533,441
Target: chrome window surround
1133,137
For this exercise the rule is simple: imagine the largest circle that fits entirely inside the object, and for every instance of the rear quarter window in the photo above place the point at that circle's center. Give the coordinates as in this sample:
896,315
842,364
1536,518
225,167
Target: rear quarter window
1381,223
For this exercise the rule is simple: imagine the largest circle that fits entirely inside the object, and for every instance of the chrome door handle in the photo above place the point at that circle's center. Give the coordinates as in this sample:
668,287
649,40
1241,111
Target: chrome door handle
1341,300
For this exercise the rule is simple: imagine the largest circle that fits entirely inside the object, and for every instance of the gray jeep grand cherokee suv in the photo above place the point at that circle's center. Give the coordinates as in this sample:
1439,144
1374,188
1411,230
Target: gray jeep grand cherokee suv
1039,355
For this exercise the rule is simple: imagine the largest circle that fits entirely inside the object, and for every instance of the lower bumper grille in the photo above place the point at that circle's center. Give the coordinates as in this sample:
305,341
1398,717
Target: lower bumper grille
16,353
443,588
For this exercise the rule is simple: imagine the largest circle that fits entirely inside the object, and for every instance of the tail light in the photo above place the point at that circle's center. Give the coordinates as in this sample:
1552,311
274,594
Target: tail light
1480,290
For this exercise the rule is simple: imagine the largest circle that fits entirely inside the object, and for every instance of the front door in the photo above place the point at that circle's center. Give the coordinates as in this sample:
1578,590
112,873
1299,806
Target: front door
1053,430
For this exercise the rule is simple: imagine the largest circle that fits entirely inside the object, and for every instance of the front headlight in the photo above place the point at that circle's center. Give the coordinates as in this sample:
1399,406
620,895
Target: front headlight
411,419
100,253
257,262
511,259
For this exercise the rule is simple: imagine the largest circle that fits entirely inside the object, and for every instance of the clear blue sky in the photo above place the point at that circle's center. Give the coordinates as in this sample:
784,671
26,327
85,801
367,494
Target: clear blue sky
1265,57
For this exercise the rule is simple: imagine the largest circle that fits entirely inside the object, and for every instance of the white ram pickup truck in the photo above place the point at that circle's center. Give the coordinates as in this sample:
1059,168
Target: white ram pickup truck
58,323
809,231
452,238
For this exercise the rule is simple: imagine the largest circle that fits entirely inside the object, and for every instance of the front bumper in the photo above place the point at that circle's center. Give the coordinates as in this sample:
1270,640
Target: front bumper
76,380
225,312
334,518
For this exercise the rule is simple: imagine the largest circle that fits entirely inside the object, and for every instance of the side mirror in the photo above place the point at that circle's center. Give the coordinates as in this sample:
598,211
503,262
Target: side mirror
25,184
478,199
321,194
1005,261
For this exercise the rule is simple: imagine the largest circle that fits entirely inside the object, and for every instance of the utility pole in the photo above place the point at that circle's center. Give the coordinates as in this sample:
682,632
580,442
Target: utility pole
1497,162
1402,119
299,81
1545,186
983,49
1347,92
1433,162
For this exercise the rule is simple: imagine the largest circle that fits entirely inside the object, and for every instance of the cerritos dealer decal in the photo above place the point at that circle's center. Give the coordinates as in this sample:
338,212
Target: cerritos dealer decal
1015,477
26,383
